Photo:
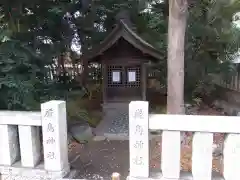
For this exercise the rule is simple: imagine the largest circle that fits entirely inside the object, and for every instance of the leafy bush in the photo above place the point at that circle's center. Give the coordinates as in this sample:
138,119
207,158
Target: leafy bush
21,76
204,88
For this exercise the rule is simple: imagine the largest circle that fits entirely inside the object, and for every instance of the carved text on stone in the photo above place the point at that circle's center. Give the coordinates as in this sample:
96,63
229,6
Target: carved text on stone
50,127
138,160
50,140
138,145
139,130
51,155
48,113
138,114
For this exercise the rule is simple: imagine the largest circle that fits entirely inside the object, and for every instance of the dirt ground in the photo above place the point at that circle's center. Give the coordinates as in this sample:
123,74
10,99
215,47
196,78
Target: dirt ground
186,154
99,159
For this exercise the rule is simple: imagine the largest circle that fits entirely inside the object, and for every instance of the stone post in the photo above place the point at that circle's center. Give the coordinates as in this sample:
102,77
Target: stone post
9,148
54,130
29,138
139,139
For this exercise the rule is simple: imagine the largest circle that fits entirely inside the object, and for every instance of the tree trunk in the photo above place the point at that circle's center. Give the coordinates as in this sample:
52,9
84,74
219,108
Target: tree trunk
178,11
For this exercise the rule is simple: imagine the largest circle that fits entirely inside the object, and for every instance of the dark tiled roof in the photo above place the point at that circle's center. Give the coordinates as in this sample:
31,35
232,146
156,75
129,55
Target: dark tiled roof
122,30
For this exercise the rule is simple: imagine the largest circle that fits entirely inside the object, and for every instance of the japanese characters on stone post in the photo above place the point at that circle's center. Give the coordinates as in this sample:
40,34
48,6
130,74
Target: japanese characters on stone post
55,135
138,139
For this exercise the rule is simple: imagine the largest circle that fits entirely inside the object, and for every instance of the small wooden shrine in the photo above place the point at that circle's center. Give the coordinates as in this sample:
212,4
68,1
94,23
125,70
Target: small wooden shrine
123,56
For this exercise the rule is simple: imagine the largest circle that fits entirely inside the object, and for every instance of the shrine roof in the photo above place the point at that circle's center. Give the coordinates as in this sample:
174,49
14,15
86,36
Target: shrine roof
122,30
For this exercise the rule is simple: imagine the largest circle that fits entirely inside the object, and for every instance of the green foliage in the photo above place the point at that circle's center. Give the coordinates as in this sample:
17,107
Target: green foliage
211,40
20,72
25,26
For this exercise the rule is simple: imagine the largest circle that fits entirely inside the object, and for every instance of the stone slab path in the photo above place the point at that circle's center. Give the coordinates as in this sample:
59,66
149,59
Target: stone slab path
114,125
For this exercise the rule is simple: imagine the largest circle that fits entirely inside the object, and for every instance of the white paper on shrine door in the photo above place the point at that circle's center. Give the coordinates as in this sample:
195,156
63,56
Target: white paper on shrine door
131,76
116,76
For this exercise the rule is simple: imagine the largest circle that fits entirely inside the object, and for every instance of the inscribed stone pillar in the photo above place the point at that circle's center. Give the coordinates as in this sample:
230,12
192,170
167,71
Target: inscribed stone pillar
139,139
54,128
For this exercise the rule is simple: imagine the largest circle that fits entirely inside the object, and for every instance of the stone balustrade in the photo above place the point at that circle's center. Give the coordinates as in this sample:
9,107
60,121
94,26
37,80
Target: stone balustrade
33,145
141,122
25,152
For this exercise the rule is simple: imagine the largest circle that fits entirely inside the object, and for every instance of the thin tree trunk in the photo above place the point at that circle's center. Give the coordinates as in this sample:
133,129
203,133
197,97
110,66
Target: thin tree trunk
178,11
